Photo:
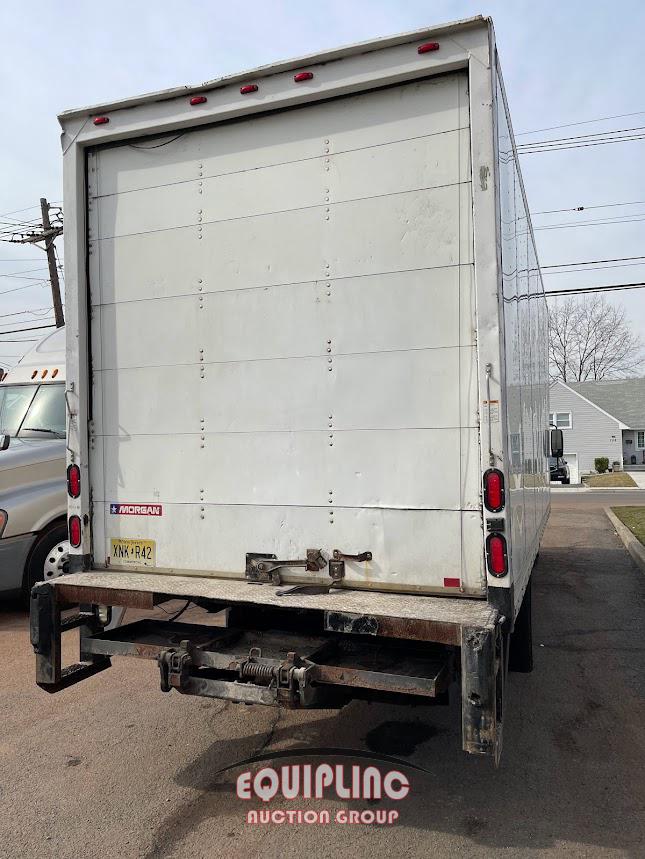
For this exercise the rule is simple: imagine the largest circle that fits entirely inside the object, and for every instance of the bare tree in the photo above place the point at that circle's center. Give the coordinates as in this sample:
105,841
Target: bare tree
590,339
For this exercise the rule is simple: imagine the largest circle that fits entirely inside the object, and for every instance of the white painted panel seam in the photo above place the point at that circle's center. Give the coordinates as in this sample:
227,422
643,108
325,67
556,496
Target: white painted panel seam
276,164
322,206
293,283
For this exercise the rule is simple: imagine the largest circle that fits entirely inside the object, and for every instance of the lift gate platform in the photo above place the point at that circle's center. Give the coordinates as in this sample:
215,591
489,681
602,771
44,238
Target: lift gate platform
291,646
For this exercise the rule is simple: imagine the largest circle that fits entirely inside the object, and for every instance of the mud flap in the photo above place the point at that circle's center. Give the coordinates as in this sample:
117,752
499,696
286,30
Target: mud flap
483,671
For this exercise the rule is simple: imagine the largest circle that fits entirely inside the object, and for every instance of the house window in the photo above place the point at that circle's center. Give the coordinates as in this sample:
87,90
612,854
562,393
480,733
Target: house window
561,419
640,439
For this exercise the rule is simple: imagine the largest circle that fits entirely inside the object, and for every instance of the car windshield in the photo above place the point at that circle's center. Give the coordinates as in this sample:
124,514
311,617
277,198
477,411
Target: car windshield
33,411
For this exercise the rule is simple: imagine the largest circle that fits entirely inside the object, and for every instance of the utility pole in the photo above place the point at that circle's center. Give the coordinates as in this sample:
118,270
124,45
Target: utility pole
49,236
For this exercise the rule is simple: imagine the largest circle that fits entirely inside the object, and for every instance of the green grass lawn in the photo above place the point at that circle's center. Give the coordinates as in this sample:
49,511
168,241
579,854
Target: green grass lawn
634,518
618,478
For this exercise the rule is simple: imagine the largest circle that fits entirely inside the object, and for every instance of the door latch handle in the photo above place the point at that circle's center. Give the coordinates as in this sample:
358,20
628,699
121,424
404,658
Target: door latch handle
342,556
266,568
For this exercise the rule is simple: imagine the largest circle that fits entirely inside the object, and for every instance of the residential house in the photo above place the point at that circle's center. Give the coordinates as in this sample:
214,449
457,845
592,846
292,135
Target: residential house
600,419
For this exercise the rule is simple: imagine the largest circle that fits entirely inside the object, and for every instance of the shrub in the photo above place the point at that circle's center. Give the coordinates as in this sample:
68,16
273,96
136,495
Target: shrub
601,464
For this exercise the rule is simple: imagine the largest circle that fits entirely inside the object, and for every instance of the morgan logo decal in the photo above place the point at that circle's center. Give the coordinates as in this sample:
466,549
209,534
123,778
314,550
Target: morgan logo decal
136,509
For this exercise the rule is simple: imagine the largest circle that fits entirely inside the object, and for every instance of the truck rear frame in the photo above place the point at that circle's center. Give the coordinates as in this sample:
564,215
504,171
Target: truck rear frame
288,648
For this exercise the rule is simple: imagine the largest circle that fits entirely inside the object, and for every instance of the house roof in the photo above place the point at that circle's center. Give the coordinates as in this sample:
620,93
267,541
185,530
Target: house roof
624,399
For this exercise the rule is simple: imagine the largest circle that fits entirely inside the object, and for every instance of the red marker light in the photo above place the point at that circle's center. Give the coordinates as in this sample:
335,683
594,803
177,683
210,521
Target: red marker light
494,495
198,99
247,88
496,555
451,583
74,481
75,531
429,46
101,120
303,76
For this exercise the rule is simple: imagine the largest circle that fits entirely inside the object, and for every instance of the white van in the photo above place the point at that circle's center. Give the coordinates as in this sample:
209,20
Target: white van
33,502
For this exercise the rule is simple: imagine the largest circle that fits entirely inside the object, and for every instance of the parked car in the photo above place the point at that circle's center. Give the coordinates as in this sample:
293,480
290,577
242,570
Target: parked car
33,498
559,470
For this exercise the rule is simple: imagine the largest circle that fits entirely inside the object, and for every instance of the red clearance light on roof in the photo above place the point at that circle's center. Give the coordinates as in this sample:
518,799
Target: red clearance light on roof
101,120
247,88
494,493
74,526
74,481
429,46
198,99
303,76
496,555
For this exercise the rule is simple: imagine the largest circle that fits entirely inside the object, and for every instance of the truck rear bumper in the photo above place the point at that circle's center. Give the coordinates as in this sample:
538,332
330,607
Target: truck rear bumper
420,618
297,649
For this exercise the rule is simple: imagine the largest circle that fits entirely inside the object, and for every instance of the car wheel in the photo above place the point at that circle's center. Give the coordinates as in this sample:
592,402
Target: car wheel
49,557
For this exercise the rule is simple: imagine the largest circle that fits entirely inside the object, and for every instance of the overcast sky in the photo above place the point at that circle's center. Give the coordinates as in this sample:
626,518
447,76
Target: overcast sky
563,62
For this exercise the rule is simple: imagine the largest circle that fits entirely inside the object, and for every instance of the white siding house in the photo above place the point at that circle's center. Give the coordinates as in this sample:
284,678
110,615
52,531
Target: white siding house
600,419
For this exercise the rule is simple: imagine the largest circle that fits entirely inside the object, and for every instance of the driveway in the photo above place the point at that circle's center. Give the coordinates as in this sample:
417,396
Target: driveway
638,477
114,768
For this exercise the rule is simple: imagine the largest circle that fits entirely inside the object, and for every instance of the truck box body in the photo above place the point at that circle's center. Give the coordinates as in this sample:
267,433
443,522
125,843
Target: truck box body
305,311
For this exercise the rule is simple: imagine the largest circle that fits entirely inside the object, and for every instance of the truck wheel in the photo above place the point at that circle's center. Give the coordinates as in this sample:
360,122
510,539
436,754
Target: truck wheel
49,556
566,481
520,657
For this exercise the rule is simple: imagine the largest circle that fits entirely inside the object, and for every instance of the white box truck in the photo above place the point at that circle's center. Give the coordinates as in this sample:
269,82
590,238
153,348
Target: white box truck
307,381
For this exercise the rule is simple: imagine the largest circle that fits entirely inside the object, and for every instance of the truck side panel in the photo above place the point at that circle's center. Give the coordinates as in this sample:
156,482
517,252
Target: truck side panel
525,324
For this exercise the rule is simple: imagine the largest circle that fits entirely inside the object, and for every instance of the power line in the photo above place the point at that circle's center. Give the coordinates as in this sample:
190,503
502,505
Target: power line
600,222
592,262
19,288
33,328
584,208
582,122
26,209
586,289
594,268
21,274
34,312
21,259
609,133
563,146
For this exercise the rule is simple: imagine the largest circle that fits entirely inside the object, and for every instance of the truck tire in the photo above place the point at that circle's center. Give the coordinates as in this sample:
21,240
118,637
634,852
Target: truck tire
48,556
520,657
566,481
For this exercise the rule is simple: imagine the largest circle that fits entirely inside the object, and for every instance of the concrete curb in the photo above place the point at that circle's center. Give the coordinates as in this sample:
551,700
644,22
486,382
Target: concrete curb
632,543
614,488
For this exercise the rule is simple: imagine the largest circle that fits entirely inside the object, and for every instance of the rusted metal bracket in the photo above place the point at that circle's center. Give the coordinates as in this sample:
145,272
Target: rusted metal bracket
343,556
337,563
47,627
174,666
266,568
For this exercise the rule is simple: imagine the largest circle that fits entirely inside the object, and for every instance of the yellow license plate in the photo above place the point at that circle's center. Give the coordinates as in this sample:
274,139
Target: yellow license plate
134,553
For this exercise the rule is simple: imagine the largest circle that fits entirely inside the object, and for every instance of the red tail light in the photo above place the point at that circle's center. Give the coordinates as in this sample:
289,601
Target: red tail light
429,46
303,76
497,555
74,526
198,99
247,88
74,481
494,490
101,120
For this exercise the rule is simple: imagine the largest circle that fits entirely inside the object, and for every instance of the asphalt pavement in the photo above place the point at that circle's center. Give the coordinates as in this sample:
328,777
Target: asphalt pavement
114,768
